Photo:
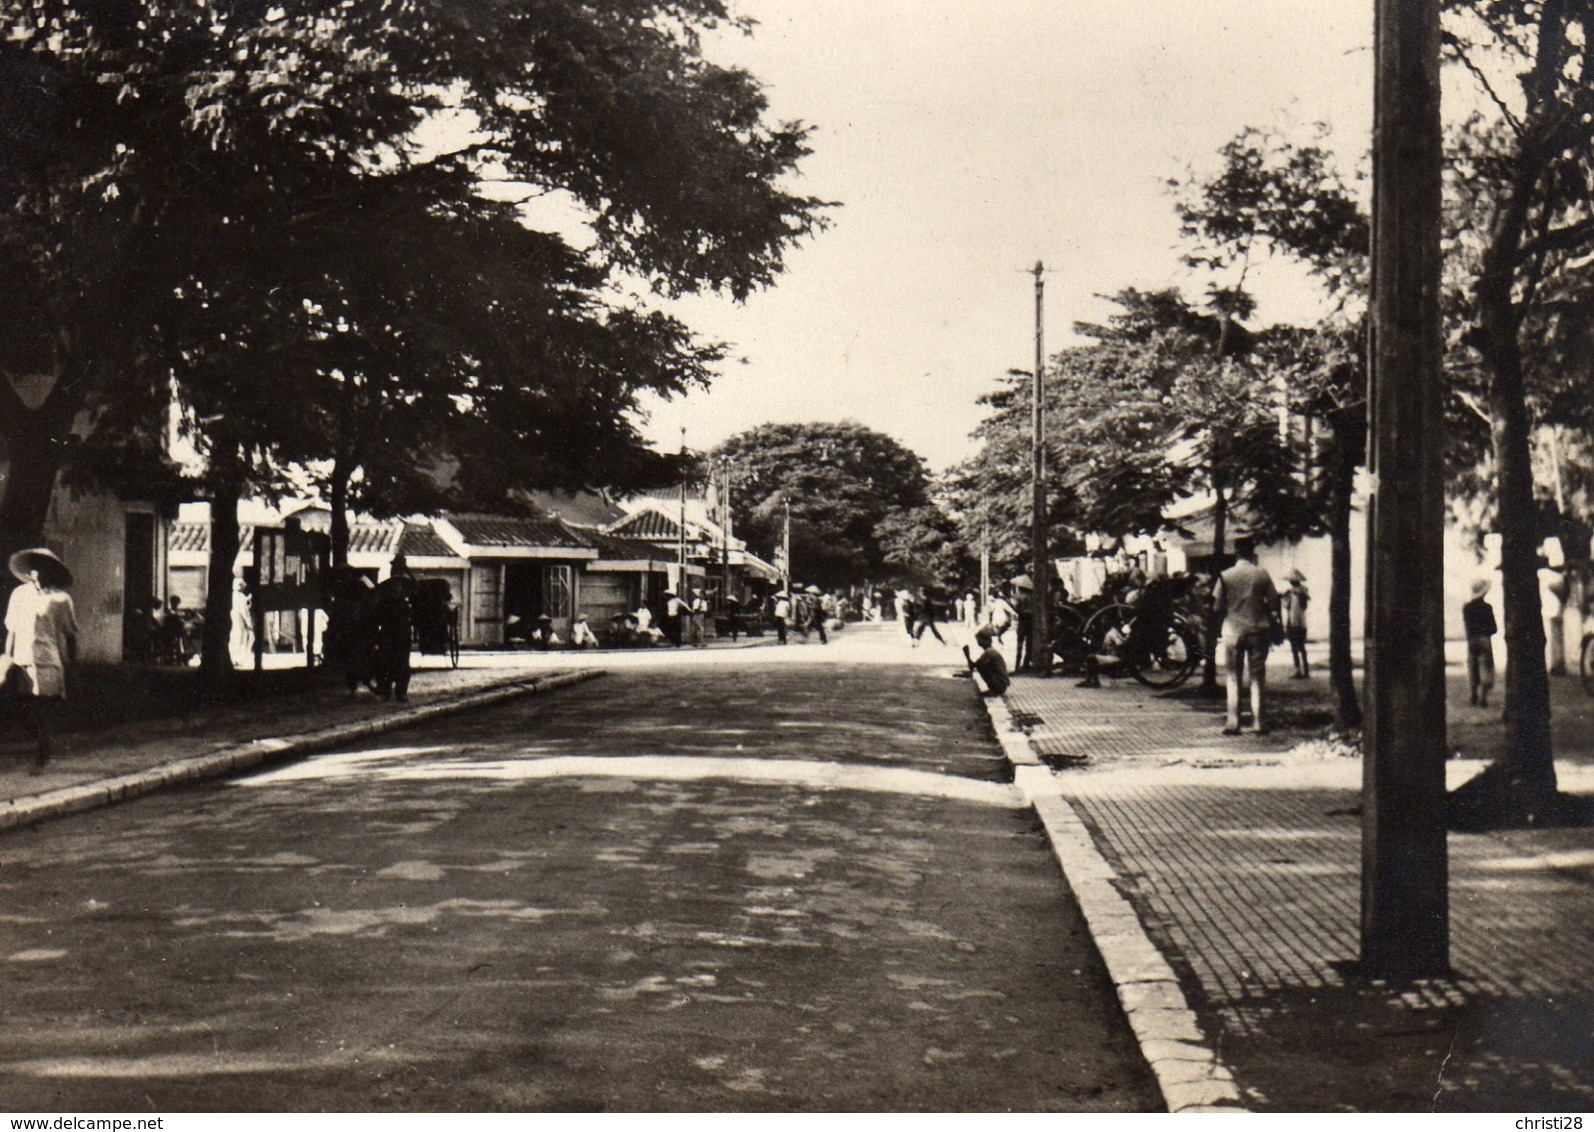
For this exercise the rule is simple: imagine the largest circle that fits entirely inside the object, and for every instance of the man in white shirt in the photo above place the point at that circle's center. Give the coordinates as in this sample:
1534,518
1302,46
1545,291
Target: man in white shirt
1245,597
782,614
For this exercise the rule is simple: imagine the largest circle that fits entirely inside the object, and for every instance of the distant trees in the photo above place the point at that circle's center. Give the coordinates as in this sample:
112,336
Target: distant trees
849,490
246,202
921,546
1165,405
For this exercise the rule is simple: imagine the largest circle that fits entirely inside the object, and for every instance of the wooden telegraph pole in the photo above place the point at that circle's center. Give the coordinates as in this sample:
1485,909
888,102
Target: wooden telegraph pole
1040,641
1405,924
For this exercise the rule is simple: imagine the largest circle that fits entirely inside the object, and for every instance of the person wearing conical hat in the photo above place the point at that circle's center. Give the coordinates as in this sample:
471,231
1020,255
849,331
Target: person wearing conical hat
41,640
674,621
782,611
581,634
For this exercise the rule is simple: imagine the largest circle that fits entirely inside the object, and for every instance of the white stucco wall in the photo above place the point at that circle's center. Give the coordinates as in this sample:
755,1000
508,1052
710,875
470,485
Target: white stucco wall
89,532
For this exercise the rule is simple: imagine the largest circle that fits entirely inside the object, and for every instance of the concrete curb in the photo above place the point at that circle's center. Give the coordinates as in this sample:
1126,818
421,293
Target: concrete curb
248,756
1188,1071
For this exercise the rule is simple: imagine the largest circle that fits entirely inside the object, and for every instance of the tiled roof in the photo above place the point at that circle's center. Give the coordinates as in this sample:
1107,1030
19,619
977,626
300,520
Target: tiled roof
374,538
421,540
187,537
627,549
649,524
672,495
516,531
194,538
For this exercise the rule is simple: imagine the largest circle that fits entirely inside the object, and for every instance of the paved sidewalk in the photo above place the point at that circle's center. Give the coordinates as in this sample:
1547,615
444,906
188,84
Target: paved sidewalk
100,767
1241,860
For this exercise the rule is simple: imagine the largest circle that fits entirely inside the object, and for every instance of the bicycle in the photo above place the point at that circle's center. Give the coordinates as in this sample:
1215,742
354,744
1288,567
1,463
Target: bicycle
1160,650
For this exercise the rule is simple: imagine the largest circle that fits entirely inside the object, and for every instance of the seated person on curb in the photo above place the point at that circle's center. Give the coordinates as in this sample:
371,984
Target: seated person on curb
989,667
543,636
581,634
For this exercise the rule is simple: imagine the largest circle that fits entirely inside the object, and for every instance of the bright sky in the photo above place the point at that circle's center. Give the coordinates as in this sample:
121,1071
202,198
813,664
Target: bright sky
967,139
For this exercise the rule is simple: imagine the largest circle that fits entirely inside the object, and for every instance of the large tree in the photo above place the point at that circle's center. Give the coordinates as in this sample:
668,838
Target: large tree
248,199
1169,403
1527,179
1273,197
839,482
1519,232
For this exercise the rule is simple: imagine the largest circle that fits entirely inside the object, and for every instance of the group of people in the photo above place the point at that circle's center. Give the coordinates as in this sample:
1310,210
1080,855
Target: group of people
370,629
1255,617
922,611
170,632
806,610
683,621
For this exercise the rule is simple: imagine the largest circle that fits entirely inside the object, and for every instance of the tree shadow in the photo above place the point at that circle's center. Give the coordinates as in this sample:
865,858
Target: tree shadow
1493,801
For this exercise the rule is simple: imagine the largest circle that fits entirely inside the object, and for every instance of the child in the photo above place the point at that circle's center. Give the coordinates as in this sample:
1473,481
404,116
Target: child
1296,599
1478,617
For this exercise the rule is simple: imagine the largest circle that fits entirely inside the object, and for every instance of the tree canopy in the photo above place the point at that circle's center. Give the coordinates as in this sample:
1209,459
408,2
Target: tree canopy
1518,234
1164,405
840,481
250,200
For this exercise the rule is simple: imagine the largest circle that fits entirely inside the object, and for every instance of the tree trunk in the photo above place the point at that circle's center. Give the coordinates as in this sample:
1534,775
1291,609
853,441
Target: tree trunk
215,656
1341,675
338,501
34,441
1528,765
1521,784
1220,521
35,458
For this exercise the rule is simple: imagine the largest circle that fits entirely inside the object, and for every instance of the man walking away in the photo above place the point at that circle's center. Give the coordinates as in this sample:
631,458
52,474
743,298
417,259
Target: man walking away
698,619
1024,621
1477,616
391,618
674,617
928,610
782,615
1247,601
815,606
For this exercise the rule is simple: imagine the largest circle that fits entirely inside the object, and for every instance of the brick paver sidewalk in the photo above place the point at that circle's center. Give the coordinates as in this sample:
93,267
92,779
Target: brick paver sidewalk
1242,858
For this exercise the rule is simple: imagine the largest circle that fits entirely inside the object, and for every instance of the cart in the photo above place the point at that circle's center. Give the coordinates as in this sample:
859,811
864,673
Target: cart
436,620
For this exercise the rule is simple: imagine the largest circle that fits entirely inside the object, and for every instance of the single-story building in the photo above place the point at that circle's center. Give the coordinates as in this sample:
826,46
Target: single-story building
521,568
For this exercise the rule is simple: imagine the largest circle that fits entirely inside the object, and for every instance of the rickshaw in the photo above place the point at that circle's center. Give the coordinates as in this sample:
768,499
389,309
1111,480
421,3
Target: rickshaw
436,620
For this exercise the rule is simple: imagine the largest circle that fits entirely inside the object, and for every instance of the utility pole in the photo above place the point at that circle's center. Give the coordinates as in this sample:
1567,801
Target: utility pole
681,584
985,560
1040,643
1405,914
785,543
725,532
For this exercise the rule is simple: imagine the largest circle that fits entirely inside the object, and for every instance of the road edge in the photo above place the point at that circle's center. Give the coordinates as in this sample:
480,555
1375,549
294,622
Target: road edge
31,810
1187,1069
